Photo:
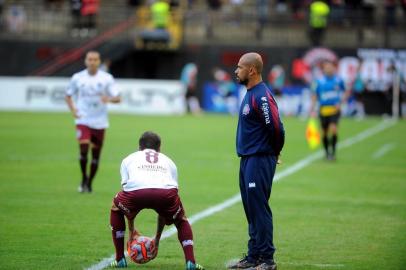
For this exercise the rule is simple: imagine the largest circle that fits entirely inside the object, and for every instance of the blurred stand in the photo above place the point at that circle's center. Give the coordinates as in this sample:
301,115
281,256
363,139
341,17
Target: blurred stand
351,24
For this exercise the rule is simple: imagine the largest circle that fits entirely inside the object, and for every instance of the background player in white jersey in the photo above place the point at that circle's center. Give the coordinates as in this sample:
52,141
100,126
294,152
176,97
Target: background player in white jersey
87,96
149,180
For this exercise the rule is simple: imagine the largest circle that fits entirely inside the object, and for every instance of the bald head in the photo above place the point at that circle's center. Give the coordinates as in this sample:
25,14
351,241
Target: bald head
253,59
249,69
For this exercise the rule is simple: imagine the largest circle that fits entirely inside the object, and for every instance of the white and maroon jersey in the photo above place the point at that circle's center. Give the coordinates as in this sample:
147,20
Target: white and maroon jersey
87,91
148,169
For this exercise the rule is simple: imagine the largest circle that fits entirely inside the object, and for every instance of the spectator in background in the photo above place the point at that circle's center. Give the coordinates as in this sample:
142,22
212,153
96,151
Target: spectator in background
214,8
237,10
226,89
337,11
353,11
262,15
276,79
160,17
189,80
403,4
357,89
297,11
89,11
390,13
281,6
16,19
75,7
368,7
318,17
160,12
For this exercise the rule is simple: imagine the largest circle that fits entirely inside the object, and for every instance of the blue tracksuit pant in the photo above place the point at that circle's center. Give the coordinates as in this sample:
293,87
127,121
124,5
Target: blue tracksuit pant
256,176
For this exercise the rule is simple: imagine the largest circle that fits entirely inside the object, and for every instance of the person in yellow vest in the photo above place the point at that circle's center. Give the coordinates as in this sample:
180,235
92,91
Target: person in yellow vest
318,18
160,13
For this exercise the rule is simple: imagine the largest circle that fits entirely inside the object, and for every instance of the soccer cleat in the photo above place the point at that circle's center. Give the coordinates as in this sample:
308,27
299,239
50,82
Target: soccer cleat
193,266
119,264
265,266
81,189
331,157
244,263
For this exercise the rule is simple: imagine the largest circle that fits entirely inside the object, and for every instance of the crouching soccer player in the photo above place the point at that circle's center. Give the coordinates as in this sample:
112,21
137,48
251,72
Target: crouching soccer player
150,181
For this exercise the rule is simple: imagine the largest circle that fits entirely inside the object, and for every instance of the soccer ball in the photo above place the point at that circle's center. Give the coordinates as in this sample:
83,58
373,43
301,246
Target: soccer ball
141,249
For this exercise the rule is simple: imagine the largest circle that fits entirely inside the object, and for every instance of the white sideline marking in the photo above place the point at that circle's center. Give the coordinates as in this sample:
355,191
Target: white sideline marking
290,170
383,150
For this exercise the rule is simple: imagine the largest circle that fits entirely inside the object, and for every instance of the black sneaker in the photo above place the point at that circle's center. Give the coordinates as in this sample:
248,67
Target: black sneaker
89,188
244,263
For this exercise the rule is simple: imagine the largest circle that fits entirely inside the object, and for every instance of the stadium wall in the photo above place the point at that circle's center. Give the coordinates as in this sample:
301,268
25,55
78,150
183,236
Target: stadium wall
23,58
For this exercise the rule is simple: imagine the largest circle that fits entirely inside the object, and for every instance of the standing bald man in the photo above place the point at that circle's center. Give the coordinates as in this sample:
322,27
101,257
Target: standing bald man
260,138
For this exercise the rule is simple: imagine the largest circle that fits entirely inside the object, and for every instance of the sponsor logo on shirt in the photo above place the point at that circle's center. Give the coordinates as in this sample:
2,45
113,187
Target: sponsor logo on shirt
246,109
329,95
153,167
265,109
251,185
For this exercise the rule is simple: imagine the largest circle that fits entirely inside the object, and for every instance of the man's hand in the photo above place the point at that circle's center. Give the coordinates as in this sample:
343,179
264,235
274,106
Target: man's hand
72,106
105,99
133,235
75,113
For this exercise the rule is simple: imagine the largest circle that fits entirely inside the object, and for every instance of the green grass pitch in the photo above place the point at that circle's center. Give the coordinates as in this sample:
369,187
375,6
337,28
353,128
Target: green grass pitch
350,214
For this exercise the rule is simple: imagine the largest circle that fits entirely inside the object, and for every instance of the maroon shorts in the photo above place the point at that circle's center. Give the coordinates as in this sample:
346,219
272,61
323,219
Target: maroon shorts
85,133
165,202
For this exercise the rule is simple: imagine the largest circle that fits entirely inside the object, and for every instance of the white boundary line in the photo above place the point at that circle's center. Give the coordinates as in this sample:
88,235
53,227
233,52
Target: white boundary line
279,176
383,150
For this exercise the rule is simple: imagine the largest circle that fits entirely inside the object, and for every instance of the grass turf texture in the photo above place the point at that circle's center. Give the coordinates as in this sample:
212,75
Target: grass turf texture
344,215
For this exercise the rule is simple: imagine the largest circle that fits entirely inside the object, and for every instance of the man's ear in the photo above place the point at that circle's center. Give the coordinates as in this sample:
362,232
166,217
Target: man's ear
251,70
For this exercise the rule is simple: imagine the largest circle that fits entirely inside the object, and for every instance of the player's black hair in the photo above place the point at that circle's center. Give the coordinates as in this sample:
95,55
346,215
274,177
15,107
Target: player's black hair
150,140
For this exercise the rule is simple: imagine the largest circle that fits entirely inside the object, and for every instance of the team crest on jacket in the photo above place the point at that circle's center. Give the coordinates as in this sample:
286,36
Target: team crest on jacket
246,109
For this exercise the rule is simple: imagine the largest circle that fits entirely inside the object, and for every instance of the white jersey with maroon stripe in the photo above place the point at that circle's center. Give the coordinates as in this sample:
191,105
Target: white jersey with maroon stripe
148,169
87,90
